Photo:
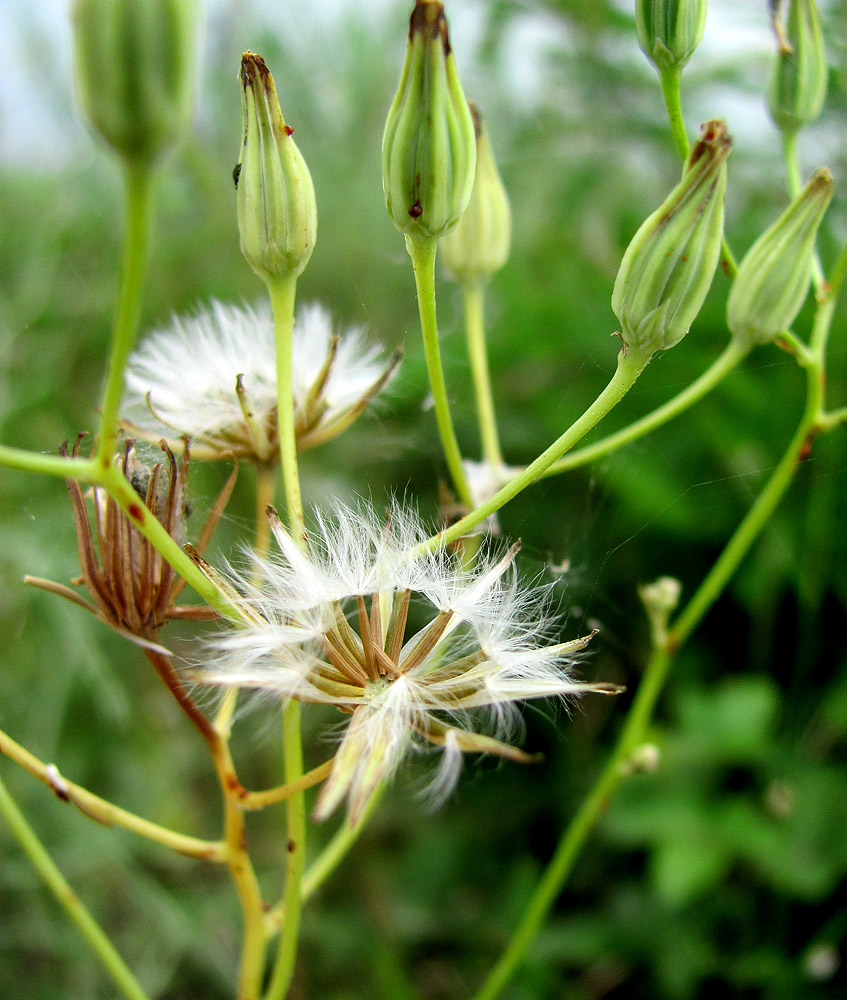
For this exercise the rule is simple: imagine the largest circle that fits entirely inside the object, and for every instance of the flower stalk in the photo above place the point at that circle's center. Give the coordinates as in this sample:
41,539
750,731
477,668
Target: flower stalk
138,187
423,251
813,421
630,365
78,913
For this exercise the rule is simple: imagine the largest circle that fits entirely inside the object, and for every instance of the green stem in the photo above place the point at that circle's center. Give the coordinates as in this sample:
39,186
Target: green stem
630,366
81,469
671,78
138,184
293,904
834,418
282,291
105,812
652,683
329,858
567,851
473,294
731,356
93,933
422,252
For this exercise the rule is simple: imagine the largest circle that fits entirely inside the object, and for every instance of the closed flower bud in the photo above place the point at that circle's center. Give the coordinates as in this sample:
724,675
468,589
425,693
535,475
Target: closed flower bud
429,146
134,72
277,215
669,30
798,85
667,268
773,279
479,245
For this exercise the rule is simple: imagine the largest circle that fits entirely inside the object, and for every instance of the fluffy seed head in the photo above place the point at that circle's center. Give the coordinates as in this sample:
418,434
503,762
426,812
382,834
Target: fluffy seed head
211,377
410,648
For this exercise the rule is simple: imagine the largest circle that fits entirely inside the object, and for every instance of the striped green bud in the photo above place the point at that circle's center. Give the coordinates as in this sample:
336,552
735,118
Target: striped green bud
134,68
667,268
669,30
429,147
277,214
479,245
773,279
799,81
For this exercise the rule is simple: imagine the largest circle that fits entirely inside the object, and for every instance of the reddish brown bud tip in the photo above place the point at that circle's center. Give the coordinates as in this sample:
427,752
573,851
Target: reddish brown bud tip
429,20
252,66
714,138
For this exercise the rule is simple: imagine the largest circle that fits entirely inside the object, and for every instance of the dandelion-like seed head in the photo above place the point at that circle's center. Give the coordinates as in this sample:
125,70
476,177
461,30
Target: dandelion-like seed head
211,377
412,647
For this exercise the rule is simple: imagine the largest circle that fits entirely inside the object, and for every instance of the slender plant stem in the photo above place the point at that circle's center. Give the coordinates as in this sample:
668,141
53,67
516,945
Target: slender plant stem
329,858
729,359
93,933
338,847
561,864
422,252
270,796
105,812
671,79
243,876
138,187
630,366
473,294
795,186
834,418
81,469
265,490
282,291
293,903
652,683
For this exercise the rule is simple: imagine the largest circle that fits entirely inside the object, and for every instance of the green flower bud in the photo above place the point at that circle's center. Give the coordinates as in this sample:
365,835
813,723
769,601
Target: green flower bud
773,279
277,215
479,245
668,267
429,147
799,81
669,30
134,63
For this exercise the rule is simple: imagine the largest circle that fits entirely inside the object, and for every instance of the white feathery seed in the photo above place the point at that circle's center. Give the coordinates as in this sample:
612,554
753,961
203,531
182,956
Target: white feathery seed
329,625
182,379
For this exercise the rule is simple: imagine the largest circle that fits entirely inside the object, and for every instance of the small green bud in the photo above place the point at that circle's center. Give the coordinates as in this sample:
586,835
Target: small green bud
773,279
277,214
134,67
799,81
669,30
667,268
429,147
479,245
660,600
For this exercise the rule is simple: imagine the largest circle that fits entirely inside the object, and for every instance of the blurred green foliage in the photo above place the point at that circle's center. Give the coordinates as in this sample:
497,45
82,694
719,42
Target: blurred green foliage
723,873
